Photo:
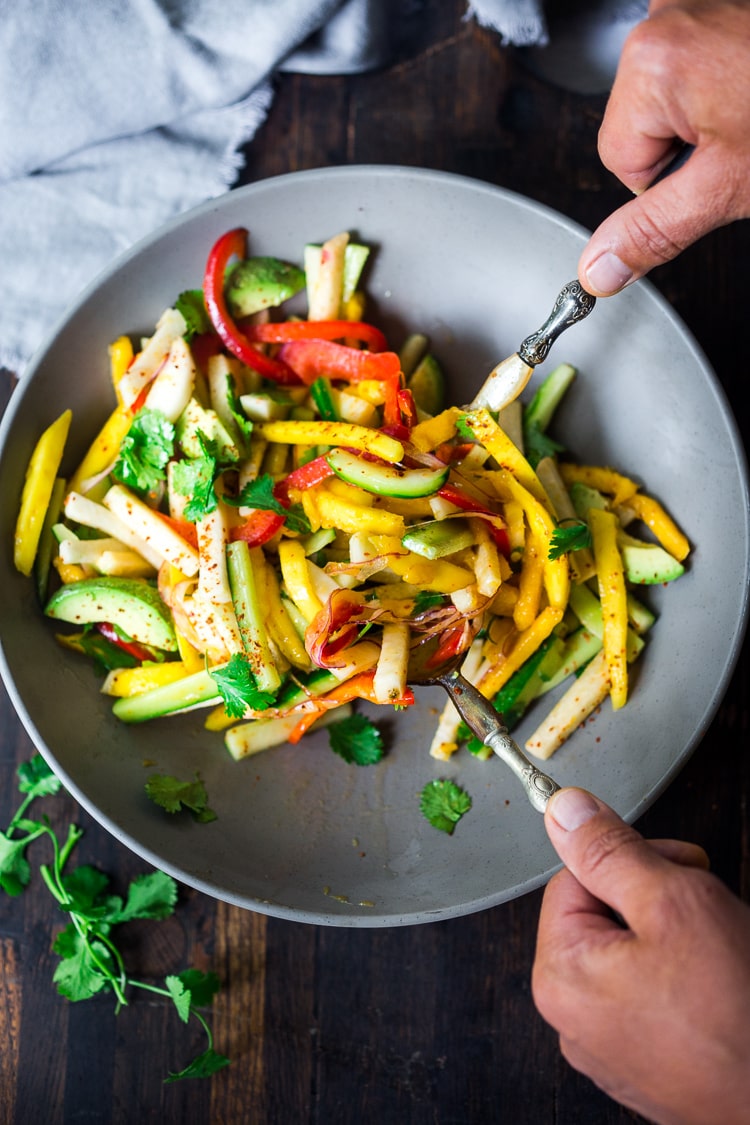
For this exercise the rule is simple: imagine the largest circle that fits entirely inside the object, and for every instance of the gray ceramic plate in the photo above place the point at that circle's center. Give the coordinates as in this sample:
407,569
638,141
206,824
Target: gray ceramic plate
300,834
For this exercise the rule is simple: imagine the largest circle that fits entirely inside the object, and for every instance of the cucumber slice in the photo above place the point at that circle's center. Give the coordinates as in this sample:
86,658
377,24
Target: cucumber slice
427,384
198,690
386,480
439,538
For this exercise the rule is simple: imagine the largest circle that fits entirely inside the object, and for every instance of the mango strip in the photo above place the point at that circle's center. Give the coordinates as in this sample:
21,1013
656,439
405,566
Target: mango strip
617,486
332,433
124,682
661,524
613,597
120,358
433,432
296,575
334,511
530,584
507,455
526,643
37,491
542,527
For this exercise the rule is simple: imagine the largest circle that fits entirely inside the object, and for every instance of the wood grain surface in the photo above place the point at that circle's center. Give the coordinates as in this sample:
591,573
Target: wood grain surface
434,1024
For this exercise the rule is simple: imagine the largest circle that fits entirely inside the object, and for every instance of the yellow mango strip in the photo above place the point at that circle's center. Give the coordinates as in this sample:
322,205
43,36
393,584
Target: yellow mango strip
438,575
280,624
504,601
103,449
372,390
68,572
331,433
433,432
417,508
349,492
617,486
120,358
333,511
614,601
530,584
37,491
124,682
296,574
354,307
542,528
507,455
661,524
524,646
189,656
310,508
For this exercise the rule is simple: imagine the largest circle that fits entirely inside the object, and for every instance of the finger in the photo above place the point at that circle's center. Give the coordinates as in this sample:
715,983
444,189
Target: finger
683,853
660,224
607,857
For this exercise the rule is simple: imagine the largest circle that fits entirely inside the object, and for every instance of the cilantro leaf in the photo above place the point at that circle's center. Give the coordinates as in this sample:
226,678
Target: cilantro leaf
15,871
357,740
36,778
203,986
152,895
79,976
239,688
203,1066
194,477
538,444
145,450
180,996
85,889
173,795
426,599
571,538
192,306
443,803
259,493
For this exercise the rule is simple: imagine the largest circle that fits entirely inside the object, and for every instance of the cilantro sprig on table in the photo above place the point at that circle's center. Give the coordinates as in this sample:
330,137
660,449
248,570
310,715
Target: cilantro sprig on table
357,740
90,961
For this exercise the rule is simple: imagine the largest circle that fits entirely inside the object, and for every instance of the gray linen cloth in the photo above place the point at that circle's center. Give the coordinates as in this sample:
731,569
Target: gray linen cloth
116,116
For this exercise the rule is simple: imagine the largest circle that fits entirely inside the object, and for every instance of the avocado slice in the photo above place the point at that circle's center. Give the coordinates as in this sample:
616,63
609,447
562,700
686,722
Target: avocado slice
132,604
196,420
647,564
261,283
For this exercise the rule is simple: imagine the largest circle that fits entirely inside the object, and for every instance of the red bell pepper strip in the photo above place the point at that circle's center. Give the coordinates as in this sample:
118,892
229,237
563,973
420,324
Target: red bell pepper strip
184,528
452,641
407,407
310,358
203,346
455,496
232,244
285,331
306,476
261,526
133,648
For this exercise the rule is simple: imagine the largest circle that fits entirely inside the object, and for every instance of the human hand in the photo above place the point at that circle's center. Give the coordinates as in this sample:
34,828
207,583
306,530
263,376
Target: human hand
684,75
656,1009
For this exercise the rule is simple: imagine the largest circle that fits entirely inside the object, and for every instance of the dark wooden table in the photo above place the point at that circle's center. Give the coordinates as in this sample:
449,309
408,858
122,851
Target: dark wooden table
426,1024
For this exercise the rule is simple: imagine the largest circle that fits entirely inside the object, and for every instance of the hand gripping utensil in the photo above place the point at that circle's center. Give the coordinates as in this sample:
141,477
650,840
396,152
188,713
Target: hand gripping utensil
485,722
506,381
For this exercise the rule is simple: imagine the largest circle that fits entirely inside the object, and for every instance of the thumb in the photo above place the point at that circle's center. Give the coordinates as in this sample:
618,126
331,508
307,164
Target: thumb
607,857
660,223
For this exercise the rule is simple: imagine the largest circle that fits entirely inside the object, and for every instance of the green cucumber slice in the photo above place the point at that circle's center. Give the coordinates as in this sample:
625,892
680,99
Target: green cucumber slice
386,480
438,538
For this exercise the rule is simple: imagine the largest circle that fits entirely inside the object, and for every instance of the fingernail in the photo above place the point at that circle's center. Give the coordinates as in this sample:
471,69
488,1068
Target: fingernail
608,274
571,808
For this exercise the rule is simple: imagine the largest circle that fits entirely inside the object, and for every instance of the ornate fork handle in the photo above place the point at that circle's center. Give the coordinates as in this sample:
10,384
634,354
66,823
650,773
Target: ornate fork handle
573,304
488,726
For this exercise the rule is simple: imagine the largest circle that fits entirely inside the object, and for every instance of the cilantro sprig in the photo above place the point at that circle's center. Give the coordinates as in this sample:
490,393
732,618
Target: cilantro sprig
173,795
443,803
259,493
145,450
193,308
239,688
357,740
90,961
574,536
538,444
194,477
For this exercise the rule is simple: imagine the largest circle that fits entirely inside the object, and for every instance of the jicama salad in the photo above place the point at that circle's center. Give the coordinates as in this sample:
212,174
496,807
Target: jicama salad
281,507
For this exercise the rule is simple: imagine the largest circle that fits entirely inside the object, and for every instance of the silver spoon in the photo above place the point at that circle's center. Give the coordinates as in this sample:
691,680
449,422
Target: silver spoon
485,722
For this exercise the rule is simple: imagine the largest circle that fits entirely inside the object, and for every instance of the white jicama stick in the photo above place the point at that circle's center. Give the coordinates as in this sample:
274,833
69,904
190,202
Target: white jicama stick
487,567
390,674
581,699
170,325
355,659
87,550
145,523
261,734
324,297
172,388
80,509
510,419
213,537
445,741
124,564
